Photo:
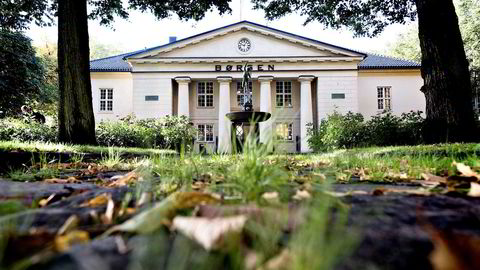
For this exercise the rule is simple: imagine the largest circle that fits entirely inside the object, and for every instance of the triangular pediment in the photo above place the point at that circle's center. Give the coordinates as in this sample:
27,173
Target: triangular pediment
261,42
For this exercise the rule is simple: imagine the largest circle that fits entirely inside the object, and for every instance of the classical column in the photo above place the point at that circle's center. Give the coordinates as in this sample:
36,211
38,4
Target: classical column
224,125
266,128
306,113
183,96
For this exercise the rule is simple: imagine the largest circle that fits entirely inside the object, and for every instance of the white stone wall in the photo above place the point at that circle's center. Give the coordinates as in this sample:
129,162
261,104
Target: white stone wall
121,83
405,91
338,83
148,84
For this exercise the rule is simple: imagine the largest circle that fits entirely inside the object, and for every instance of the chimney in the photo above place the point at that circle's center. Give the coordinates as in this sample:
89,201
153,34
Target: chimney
172,39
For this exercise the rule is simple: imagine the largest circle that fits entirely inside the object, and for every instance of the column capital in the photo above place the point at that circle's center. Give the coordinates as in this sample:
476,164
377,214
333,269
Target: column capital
306,78
265,78
183,79
224,79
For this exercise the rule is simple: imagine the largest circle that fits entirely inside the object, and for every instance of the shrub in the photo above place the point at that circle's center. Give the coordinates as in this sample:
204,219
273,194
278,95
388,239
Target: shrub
350,130
23,130
338,131
168,132
122,133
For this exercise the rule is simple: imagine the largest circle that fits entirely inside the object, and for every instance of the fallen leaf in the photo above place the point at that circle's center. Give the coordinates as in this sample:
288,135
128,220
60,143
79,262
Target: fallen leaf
301,195
379,191
70,224
44,202
145,198
465,170
97,201
125,180
63,243
345,194
162,212
69,180
454,251
108,217
281,261
209,233
474,190
271,197
433,178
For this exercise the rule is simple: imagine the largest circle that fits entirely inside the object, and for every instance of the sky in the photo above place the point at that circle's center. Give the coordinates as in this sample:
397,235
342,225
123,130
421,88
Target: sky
142,30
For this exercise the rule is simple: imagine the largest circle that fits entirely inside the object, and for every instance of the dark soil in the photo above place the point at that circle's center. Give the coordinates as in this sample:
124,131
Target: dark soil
390,229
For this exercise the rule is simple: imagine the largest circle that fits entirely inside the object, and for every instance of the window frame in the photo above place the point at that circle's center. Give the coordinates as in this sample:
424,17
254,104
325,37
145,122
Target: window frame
289,129
242,94
283,94
205,134
106,97
383,98
205,95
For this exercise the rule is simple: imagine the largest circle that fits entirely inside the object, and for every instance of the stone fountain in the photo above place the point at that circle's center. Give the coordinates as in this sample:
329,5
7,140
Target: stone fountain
247,120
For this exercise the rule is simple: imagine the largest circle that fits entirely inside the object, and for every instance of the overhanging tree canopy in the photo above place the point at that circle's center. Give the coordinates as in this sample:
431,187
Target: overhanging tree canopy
76,120
447,86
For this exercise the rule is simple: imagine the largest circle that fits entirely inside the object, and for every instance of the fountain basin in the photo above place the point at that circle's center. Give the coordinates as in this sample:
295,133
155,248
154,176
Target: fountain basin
246,117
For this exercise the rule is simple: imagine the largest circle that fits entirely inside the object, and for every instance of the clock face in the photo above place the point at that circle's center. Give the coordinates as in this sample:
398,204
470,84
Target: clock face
244,45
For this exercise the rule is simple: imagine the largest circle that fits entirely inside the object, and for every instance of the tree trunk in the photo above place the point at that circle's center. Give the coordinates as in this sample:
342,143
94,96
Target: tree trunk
447,87
75,114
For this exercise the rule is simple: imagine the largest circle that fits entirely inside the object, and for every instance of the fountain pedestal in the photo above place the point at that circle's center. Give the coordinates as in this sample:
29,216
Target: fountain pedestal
245,122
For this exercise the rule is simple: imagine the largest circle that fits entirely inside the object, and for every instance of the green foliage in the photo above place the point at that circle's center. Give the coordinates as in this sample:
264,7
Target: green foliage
123,134
47,100
367,17
350,130
407,44
169,132
19,14
468,14
23,130
21,73
338,131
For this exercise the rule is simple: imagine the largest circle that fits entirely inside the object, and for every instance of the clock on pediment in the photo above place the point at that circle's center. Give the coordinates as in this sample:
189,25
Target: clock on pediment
244,45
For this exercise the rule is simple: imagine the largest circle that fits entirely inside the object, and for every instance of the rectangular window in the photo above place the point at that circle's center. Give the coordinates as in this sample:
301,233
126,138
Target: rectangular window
205,94
205,133
151,98
106,99
284,131
241,94
283,94
338,96
384,98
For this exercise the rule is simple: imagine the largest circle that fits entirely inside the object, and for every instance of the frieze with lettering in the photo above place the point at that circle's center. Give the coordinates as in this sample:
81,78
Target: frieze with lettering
234,68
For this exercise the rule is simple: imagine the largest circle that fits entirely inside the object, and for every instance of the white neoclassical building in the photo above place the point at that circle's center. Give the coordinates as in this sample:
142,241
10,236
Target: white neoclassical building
299,80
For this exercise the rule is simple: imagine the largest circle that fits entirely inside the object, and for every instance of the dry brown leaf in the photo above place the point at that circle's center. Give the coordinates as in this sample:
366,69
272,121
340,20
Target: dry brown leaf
70,224
162,212
363,174
209,233
44,202
474,190
465,170
125,180
145,198
69,180
301,195
454,251
65,242
344,194
281,261
271,197
100,200
433,178
108,217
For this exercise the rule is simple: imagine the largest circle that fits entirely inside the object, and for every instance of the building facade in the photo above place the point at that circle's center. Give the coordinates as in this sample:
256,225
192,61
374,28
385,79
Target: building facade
297,79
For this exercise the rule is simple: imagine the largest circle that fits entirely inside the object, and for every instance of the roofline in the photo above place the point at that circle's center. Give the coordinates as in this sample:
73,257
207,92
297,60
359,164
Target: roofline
238,23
